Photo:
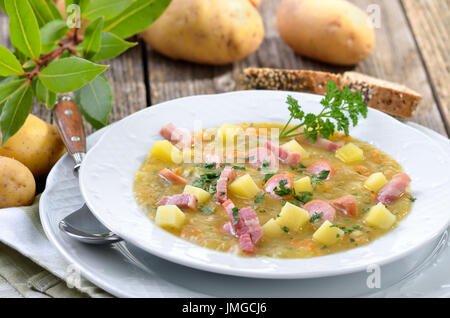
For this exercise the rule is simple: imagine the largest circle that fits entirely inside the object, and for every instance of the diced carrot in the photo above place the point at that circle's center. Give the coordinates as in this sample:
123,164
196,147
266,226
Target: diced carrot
177,171
361,170
306,243
376,157
190,232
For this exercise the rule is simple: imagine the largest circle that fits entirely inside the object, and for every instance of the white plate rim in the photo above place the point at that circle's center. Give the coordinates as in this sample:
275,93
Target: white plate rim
247,271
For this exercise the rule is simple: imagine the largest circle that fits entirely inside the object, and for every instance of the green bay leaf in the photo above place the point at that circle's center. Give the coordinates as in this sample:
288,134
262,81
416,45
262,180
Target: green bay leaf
45,96
136,17
15,112
95,101
9,88
44,10
24,28
9,65
106,8
92,38
111,46
51,33
69,74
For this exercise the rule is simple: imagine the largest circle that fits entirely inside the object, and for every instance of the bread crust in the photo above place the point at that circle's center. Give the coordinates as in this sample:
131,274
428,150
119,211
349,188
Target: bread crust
392,98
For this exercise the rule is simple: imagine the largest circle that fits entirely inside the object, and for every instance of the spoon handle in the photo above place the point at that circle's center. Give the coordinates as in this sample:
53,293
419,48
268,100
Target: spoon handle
70,126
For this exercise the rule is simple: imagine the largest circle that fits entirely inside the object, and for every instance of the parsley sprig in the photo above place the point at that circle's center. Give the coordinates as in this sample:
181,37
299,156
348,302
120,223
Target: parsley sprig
340,107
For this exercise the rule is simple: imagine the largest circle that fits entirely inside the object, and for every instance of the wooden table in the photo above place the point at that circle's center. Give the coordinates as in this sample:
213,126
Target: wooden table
411,48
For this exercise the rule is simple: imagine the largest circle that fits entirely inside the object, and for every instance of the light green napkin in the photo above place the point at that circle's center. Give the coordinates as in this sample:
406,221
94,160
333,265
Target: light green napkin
23,247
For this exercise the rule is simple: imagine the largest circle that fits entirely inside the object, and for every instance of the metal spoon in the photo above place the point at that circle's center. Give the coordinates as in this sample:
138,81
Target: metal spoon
81,224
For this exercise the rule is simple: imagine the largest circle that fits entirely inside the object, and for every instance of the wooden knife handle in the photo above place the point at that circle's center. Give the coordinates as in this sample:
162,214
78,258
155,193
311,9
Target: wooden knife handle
70,126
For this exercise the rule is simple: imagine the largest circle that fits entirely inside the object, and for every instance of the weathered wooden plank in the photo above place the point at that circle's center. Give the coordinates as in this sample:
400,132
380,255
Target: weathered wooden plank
395,58
126,75
430,22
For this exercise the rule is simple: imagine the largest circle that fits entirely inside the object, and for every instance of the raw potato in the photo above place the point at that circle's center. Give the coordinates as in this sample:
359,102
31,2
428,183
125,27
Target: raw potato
207,31
332,31
17,185
37,145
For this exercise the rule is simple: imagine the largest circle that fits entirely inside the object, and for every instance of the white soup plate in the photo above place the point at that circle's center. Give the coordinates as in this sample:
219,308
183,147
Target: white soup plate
107,175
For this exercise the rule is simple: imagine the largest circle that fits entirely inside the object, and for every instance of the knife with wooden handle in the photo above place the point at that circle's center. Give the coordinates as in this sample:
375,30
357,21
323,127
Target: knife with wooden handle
70,125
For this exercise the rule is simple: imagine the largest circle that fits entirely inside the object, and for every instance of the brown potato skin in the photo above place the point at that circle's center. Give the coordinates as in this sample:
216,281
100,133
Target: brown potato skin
37,145
17,185
331,31
207,31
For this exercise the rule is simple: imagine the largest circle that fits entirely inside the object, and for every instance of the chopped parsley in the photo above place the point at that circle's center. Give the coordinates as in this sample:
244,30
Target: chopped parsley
259,198
303,197
235,215
207,181
206,209
267,176
365,209
265,164
210,165
282,190
412,199
352,240
316,217
238,168
285,228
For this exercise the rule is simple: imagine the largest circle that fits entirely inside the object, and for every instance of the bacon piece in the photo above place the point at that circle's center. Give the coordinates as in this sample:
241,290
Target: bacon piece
319,166
171,176
225,178
176,136
274,182
229,229
319,206
251,222
246,225
394,189
183,200
347,204
320,143
259,157
285,155
246,243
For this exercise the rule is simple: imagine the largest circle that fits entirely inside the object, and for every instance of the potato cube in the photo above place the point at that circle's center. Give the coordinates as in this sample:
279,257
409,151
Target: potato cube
164,150
379,216
272,229
350,153
169,217
303,185
227,132
294,146
244,187
202,195
375,181
292,217
328,234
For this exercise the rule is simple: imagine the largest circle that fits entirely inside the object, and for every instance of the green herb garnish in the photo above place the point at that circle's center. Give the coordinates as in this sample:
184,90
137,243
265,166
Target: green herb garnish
238,167
316,217
412,199
206,209
211,165
267,176
259,198
282,190
235,215
285,228
341,106
207,181
303,197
